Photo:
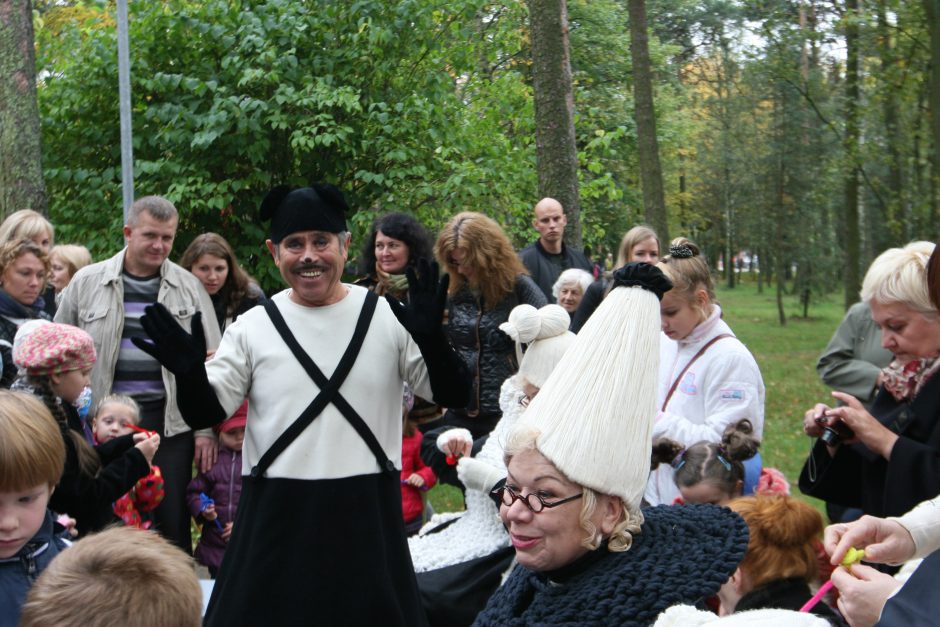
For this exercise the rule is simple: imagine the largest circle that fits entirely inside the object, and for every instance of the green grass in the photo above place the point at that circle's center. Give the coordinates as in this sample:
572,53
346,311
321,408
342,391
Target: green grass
787,358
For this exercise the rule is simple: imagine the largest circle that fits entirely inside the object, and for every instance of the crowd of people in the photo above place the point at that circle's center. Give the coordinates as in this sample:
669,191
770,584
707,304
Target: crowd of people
604,428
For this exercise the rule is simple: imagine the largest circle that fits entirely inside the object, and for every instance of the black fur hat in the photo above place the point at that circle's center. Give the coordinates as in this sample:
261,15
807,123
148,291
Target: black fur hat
320,207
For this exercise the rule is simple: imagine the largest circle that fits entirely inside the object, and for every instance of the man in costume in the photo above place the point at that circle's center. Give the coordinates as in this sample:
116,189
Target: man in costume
318,537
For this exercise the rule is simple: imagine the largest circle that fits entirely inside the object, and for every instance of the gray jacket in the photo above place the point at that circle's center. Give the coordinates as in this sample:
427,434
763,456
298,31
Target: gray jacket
94,301
854,355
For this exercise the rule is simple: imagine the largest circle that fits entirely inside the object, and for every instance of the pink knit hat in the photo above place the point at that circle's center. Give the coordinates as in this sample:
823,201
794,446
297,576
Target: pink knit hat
54,349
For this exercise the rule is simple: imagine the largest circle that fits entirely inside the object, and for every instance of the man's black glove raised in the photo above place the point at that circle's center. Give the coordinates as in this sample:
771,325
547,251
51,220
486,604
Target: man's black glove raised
422,318
427,297
183,354
176,350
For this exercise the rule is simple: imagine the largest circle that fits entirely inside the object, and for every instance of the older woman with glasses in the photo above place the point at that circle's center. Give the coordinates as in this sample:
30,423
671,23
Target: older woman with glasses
577,465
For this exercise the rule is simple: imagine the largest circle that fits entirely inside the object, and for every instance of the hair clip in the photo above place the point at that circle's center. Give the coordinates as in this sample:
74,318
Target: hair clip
724,462
679,460
682,251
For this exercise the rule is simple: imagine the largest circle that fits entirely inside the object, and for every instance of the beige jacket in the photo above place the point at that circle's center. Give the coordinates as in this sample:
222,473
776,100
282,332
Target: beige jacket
94,301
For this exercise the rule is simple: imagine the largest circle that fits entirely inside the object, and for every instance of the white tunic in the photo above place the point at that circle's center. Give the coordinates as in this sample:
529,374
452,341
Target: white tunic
723,386
253,360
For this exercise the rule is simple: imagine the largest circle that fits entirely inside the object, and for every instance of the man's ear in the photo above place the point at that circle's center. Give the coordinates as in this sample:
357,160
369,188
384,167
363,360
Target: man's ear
272,248
127,231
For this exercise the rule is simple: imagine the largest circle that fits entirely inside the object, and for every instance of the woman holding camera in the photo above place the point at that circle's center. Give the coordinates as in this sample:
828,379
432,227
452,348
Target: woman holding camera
886,459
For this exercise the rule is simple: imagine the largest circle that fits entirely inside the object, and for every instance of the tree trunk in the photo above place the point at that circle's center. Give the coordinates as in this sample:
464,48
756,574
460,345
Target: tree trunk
932,9
555,148
21,182
651,172
850,145
897,222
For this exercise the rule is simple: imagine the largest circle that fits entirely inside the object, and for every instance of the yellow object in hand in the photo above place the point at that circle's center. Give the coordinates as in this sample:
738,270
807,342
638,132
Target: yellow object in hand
852,556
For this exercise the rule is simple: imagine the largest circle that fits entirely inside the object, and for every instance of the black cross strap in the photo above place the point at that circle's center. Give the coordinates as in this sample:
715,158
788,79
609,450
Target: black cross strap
329,389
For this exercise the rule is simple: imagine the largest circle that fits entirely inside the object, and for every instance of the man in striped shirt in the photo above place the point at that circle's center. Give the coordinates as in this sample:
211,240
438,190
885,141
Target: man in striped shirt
107,299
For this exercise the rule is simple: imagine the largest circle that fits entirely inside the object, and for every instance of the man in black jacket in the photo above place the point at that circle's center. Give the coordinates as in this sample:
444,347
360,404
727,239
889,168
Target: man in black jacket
548,256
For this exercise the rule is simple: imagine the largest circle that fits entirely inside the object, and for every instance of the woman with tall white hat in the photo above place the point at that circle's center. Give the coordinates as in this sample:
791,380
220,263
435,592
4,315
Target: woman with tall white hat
577,466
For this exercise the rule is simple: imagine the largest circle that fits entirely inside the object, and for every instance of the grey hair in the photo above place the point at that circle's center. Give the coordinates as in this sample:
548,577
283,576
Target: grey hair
581,278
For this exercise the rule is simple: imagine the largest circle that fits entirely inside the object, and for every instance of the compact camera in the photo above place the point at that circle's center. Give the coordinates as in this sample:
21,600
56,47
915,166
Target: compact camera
836,432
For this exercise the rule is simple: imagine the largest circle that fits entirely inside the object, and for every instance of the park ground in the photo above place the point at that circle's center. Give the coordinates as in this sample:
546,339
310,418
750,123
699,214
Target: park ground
787,359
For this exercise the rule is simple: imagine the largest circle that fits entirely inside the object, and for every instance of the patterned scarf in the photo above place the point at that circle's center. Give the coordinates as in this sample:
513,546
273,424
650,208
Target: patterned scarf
394,284
904,381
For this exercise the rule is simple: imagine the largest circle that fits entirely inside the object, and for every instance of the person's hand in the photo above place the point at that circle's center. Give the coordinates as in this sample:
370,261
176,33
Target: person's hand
814,420
477,475
874,435
176,350
227,531
209,513
207,452
210,354
69,523
148,446
455,442
415,480
863,593
884,541
427,296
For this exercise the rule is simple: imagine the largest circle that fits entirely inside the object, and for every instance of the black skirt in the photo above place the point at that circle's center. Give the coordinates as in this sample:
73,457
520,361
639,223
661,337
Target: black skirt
317,552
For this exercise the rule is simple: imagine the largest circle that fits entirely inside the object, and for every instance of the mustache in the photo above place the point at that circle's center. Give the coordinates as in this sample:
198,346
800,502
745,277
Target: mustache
306,267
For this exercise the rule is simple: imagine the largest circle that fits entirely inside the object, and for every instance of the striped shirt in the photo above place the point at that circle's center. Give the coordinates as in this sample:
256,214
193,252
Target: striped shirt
137,374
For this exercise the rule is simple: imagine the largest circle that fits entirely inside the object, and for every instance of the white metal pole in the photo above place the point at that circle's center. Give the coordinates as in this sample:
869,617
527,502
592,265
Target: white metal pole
124,94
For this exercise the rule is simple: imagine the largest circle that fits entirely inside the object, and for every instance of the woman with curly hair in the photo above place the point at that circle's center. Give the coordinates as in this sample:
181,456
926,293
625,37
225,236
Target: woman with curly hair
587,553
23,270
486,281
211,258
397,241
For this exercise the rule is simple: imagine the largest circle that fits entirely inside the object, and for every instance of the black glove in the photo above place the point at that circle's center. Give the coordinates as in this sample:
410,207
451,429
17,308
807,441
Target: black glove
427,297
178,351
642,274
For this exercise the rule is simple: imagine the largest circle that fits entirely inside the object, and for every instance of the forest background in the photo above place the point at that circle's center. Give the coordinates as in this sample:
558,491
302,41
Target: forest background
796,132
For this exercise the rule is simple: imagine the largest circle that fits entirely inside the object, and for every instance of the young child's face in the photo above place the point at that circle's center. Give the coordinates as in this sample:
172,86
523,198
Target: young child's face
112,422
21,516
233,438
69,385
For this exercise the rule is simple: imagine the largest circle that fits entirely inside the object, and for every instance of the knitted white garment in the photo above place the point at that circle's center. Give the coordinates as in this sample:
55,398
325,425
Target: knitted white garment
478,531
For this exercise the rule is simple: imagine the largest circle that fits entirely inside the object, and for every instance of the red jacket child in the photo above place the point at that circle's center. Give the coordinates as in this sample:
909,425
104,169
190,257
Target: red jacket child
415,477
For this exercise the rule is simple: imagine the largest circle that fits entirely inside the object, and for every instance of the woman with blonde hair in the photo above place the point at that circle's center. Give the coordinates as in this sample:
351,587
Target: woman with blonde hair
587,553
708,380
32,225
486,281
886,459
23,270
64,261
638,244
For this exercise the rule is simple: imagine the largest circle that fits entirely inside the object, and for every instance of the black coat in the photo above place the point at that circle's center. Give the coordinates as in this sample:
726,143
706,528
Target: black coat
537,261
785,594
488,353
857,477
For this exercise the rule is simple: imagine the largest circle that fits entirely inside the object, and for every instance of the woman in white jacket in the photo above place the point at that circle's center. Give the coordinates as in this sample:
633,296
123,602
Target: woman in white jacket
707,377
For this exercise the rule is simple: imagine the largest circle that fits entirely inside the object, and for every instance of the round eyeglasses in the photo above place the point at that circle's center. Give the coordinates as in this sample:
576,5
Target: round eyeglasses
531,500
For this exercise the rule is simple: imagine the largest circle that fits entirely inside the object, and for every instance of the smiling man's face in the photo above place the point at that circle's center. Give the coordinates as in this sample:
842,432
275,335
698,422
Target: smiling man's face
312,262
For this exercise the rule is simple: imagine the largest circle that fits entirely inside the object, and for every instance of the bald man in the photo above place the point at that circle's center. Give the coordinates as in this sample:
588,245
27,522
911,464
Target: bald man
548,256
